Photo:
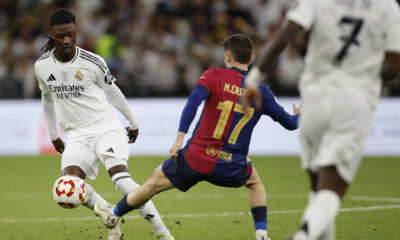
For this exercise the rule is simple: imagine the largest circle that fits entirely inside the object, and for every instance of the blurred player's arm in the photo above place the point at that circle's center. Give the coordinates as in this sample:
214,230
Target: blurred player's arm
298,19
269,55
391,28
198,94
391,71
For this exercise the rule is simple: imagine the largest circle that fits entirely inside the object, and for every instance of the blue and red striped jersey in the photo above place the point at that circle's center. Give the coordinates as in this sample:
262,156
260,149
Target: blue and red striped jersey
221,138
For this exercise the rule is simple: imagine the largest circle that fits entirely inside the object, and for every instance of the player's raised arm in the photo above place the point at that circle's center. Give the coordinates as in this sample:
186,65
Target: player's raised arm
269,55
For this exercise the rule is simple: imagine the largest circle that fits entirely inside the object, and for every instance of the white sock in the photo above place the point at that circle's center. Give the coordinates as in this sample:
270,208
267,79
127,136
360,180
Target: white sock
311,196
320,213
125,184
329,233
92,197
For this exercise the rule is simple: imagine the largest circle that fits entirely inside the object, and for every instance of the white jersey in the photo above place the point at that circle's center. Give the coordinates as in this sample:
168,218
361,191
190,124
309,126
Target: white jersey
348,40
76,87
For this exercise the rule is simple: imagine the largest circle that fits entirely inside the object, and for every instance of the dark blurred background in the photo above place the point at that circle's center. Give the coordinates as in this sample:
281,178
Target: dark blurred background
155,48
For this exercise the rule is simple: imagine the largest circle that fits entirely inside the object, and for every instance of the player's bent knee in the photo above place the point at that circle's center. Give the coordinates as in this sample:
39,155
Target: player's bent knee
254,179
158,182
117,169
73,171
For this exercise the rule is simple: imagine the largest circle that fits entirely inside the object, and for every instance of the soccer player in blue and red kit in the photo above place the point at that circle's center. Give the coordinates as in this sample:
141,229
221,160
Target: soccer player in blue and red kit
217,151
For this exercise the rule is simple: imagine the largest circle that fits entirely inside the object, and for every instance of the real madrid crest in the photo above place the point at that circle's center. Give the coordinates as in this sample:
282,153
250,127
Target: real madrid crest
78,75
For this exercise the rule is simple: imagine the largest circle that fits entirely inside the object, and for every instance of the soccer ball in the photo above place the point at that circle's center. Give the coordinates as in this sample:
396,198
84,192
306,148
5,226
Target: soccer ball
69,191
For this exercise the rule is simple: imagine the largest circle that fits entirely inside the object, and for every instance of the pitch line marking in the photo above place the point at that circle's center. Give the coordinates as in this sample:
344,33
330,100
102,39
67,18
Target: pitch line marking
219,196
376,199
193,215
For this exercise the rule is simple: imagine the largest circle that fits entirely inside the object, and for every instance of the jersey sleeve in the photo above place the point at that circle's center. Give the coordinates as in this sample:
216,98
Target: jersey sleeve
48,106
303,13
272,108
206,79
41,84
114,94
392,27
198,94
103,75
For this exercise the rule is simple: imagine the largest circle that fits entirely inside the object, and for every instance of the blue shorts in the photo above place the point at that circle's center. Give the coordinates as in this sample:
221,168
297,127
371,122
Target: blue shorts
183,177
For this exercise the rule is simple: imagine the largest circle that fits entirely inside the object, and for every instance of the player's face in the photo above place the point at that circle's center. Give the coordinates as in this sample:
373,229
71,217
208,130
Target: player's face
64,36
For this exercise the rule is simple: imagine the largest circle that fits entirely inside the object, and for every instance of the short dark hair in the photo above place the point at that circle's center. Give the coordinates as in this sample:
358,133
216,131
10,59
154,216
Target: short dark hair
240,46
62,16
58,17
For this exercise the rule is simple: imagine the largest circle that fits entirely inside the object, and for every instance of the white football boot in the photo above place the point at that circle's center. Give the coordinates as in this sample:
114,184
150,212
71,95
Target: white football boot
115,233
262,235
164,237
106,214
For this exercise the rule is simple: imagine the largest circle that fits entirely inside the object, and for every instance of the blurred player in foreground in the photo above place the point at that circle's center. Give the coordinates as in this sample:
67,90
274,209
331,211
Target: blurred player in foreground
75,86
217,151
340,87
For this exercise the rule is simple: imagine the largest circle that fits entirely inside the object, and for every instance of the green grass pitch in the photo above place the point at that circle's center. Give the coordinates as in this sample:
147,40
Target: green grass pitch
370,210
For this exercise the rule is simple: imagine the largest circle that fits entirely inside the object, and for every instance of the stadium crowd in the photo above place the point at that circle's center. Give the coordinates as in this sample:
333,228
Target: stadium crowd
155,48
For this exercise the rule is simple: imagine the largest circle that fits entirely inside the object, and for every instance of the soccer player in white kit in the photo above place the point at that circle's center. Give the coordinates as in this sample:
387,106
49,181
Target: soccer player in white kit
75,86
340,86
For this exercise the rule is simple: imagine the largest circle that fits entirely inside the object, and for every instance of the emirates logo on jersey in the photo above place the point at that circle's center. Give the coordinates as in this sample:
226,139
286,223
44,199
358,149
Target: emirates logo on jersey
78,76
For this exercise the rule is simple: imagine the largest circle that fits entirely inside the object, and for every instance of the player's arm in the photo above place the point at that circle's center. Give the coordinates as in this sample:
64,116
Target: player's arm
50,115
299,18
198,94
273,109
269,55
118,100
391,29
391,71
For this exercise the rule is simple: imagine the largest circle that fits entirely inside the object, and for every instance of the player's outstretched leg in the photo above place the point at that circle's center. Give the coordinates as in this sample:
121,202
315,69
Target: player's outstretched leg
258,205
125,184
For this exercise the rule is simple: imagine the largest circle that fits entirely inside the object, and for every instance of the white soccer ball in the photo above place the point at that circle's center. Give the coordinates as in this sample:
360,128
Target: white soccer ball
69,191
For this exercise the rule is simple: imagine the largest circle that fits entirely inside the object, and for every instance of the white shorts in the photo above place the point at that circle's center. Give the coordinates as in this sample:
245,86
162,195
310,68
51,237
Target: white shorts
334,126
110,148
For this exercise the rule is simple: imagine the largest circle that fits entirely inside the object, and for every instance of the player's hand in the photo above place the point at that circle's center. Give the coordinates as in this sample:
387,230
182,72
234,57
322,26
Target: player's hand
173,151
132,134
249,95
59,145
297,110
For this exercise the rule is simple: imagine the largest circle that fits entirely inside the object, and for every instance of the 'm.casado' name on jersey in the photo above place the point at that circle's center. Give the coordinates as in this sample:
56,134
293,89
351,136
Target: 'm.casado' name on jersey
233,89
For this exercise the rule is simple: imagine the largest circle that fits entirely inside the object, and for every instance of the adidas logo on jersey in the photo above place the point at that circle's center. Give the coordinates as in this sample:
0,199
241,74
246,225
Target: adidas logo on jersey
51,78
110,150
